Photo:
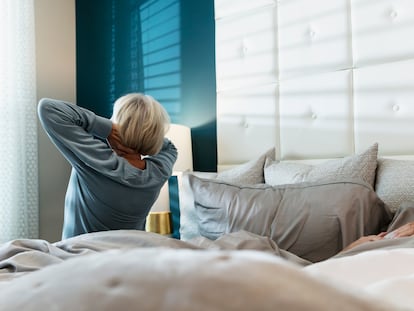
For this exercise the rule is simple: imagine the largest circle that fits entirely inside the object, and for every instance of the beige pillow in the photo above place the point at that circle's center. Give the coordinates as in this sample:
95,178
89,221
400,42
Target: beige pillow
395,182
361,166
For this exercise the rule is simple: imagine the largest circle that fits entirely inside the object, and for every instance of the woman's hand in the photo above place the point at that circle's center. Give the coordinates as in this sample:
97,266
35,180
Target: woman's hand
362,240
133,157
114,139
403,231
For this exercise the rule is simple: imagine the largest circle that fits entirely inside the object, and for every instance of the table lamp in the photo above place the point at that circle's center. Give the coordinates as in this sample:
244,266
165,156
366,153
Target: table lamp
159,219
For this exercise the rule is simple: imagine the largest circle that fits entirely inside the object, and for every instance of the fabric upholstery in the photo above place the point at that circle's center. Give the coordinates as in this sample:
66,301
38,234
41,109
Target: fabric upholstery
356,166
312,220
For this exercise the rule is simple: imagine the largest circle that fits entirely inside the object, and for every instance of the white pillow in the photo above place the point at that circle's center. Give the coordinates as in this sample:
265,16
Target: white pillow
188,217
361,166
395,182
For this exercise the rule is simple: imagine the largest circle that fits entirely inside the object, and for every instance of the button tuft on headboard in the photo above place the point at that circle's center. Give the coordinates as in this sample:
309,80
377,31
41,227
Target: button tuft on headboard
244,48
393,14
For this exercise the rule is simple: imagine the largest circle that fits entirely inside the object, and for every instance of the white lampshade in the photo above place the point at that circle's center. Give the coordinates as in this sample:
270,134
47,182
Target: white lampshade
180,135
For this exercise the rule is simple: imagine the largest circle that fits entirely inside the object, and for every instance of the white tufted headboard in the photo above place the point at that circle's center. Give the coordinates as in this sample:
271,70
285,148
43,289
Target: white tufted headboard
316,79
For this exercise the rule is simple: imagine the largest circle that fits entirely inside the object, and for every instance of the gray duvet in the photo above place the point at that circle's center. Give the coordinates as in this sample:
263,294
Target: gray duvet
135,270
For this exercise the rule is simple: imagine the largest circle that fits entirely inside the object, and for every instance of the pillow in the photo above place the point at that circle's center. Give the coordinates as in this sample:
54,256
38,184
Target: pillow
247,174
395,182
357,166
173,193
188,227
311,220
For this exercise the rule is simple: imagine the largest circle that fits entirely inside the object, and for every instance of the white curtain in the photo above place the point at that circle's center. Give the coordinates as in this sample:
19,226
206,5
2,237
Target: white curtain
18,135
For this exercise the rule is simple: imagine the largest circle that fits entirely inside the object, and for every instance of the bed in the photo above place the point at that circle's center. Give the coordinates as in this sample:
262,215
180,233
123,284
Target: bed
136,270
247,241
314,142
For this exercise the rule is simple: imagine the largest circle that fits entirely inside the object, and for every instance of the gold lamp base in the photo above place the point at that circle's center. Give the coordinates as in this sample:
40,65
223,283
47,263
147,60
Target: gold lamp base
159,222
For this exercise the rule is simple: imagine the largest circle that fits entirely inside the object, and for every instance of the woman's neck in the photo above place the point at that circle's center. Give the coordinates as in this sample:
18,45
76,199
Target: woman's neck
135,160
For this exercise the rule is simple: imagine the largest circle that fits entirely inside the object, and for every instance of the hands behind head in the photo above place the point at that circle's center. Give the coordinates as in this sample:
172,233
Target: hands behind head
114,139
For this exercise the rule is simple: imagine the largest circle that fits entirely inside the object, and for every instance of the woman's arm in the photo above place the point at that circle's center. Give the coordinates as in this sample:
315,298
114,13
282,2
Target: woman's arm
166,158
362,240
403,231
78,133
82,136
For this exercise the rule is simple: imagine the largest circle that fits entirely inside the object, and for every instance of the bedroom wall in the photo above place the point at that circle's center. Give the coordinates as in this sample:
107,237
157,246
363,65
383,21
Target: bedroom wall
55,56
161,47
289,74
316,79
58,69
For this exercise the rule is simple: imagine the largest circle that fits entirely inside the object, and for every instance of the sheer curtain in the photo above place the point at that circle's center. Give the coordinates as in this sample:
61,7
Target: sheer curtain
18,135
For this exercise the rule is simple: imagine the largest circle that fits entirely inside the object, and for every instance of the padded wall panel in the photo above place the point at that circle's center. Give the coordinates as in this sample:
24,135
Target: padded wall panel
342,76
382,30
223,8
384,107
246,123
316,116
314,36
246,46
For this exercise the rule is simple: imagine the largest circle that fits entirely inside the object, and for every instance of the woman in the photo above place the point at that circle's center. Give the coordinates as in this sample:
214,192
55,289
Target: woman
118,165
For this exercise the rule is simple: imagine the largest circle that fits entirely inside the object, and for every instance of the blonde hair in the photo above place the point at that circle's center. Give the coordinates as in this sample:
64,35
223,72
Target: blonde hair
142,122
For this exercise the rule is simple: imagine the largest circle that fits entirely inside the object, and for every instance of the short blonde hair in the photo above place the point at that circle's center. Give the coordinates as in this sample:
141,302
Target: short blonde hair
142,122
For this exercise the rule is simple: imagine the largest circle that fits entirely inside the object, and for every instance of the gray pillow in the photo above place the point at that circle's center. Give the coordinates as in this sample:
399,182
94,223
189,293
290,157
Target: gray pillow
311,220
395,182
249,173
357,166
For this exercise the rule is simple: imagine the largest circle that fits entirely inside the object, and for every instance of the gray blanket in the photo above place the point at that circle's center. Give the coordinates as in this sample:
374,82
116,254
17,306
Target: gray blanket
21,256
128,269
131,270
25,255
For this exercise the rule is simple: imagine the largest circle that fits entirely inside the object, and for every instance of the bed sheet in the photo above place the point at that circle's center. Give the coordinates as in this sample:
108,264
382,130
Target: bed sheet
384,272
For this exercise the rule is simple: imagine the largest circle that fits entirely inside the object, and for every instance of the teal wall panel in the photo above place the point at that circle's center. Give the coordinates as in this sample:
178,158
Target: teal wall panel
164,48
